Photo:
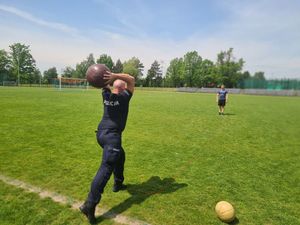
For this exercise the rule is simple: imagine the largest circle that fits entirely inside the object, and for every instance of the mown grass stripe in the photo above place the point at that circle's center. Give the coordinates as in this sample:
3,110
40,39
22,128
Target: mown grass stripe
70,201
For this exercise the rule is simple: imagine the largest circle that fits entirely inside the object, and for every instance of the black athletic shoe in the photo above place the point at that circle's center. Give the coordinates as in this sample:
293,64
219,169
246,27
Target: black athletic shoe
119,187
88,210
220,113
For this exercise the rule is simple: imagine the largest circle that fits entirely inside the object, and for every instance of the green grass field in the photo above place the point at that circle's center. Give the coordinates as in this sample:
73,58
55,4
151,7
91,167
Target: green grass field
182,157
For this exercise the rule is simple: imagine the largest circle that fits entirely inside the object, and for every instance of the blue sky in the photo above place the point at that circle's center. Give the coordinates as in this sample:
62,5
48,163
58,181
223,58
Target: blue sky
266,33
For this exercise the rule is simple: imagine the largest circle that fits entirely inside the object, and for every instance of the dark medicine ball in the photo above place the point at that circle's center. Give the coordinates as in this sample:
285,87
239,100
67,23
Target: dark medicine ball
95,74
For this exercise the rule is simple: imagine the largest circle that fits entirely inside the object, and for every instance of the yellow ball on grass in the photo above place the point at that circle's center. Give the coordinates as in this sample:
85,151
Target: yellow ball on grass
225,211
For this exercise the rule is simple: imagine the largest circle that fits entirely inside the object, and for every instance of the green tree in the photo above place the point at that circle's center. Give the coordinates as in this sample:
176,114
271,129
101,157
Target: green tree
37,77
192,62
257,81
134,67
175,73
105,59
130,69
49,75
245,75
243,78
22,63
228,68
206,74
4,66
259,75
68,72
90,59
154,75
118,68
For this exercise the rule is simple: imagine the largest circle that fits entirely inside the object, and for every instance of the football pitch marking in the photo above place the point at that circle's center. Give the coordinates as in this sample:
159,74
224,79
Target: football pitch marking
70,201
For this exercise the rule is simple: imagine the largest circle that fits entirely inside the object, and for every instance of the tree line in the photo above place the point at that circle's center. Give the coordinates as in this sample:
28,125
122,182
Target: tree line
191,70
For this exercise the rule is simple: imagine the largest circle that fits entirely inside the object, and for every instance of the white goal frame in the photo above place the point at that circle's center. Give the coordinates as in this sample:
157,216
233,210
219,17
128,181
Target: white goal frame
72,82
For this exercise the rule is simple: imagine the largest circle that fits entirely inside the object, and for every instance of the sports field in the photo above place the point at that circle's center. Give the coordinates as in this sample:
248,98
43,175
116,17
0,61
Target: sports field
182,157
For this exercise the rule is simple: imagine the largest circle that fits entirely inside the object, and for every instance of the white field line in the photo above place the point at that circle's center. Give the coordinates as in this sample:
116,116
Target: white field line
69,201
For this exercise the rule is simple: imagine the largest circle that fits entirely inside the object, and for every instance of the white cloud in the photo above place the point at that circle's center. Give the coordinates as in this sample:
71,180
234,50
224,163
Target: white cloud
264,33
31,18
267,38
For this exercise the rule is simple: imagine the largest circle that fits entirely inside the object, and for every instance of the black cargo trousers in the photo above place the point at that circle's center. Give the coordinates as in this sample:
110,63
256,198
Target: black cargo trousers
113,159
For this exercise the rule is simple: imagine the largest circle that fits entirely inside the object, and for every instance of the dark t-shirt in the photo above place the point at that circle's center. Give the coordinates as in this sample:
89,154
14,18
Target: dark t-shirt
222,94
115,110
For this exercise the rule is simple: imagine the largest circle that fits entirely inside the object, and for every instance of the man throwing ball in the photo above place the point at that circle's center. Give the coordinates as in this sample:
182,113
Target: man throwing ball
109,137
222,98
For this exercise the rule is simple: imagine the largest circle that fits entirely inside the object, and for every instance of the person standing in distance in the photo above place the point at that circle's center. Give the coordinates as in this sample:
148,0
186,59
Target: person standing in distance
109,137
222,99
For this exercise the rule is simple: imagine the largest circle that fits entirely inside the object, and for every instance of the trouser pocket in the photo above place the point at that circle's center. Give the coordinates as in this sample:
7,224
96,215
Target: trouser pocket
111,155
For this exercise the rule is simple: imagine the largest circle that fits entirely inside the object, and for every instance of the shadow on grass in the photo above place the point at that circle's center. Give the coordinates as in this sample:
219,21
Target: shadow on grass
229,114
234,222
140,192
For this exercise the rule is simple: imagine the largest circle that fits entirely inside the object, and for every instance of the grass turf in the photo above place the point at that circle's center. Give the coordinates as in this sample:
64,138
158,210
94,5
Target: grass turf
20,207
182,157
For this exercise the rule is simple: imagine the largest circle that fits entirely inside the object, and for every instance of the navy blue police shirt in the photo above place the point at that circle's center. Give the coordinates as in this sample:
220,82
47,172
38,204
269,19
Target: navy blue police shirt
222,94
115,110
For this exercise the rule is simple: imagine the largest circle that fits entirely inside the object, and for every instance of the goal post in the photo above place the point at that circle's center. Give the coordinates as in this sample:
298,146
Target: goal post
70,82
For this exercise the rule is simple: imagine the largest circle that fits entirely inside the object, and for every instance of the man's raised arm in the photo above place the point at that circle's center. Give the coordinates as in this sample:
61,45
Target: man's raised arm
130,80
